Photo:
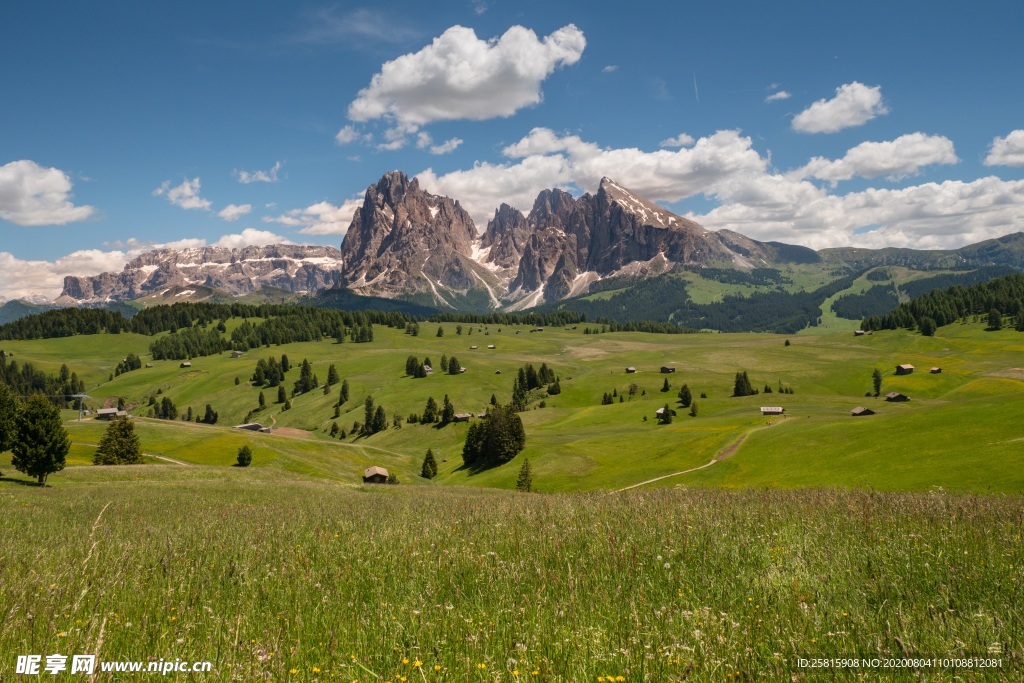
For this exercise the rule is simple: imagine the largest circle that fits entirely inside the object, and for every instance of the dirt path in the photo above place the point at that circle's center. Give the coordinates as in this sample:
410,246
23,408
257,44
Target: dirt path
722,455
147,455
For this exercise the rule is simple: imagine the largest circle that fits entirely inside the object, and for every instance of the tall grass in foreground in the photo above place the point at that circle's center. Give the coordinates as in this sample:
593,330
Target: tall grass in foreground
304,581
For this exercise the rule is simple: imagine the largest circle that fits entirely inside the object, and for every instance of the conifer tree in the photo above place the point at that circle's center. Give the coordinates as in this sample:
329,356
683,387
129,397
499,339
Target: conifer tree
430,411
343,397
332,376
685,397
665,386
244,457
429,470
525,480
448,411
876,382
41,443
119,445
282,396
380,420
666,415
9,406
693,409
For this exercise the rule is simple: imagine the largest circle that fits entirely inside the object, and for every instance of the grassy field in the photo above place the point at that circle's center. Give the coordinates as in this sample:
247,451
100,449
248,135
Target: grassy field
960,431
811,535
286,578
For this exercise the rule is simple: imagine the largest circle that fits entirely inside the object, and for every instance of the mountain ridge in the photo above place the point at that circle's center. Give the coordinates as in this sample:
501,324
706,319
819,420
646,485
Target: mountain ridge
408,244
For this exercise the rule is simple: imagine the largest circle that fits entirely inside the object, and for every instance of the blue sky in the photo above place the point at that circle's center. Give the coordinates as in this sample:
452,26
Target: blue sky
826,124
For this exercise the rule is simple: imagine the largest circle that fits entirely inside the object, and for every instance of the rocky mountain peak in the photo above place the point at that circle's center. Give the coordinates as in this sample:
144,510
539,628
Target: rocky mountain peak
404,240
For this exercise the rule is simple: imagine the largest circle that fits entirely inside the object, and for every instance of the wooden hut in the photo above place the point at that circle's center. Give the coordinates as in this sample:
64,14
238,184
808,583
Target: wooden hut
896,397
375,475
904,369
772,410
860,411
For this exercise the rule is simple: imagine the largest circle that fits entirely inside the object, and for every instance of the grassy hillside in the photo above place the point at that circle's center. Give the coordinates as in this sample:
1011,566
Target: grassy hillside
958,432
283,578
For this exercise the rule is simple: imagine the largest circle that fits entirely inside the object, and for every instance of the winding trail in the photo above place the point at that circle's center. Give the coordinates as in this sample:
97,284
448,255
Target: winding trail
722,455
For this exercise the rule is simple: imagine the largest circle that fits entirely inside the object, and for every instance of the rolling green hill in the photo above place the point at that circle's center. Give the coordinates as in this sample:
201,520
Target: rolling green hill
957,432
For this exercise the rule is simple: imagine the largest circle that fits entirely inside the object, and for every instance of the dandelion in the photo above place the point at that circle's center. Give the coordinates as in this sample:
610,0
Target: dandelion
405,660
437,667
481,666
316,670
620,678
293,671
417,664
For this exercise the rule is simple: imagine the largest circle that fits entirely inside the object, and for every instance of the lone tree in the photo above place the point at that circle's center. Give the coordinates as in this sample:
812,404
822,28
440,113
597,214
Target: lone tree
693,409
525,480
119,445
666,415
429,466
41,443
244,456
665,386
876,381
685,397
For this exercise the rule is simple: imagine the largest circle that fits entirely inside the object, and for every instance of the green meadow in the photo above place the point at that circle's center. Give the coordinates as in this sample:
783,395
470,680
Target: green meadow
960,431
278,578
761,540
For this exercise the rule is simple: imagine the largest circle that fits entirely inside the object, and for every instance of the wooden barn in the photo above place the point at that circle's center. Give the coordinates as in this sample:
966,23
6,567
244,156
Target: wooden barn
936,371
462,417
630,370
375,475
237,354
860,411
667,369
904,369
896,397
858,333
772,410
186,364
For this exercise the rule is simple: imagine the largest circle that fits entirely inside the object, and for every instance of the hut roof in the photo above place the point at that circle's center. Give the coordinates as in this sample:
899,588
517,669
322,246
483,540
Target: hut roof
371,471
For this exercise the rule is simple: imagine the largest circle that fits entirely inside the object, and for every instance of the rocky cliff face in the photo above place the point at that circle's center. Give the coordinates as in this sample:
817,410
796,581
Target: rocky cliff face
292,268
572,243
404,241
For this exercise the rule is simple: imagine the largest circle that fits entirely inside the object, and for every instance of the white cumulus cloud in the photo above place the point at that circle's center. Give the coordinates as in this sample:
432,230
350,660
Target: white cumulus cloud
547,159
778,96
854,105
425,141
681,140
460,76
895,159
185,195
232,212
1007,151
246,177
250,237
322,218
753,198
31,194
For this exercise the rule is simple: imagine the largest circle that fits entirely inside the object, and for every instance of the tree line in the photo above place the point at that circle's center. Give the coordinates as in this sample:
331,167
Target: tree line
25,379
937,308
